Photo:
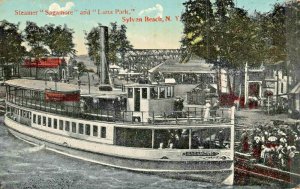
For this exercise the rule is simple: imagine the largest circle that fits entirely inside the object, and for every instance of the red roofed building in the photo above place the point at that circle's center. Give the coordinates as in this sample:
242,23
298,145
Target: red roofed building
43,63
45,68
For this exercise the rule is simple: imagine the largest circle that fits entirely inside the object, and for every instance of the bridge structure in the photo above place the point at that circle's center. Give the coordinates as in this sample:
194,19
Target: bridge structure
141,60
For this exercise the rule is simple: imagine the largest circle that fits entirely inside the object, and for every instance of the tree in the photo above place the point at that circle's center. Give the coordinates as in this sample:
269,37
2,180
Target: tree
59,39
81,68
11,40
117,42
125,44
94,46
293,41
222,34
113,42
35,36
243,42
198,31
276,32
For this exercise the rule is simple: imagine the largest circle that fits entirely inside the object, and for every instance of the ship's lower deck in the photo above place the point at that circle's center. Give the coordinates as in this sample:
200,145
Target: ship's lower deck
199,168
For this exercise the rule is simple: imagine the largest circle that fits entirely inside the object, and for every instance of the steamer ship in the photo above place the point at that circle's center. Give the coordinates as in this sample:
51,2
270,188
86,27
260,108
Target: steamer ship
136,128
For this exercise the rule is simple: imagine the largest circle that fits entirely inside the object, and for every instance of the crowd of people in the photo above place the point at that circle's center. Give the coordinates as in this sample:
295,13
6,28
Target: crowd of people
272,145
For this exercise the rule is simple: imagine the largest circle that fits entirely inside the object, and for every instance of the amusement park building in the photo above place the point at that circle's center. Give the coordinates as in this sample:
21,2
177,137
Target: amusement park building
46,68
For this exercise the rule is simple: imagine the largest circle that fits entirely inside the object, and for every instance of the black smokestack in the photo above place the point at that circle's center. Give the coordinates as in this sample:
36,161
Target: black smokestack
104,65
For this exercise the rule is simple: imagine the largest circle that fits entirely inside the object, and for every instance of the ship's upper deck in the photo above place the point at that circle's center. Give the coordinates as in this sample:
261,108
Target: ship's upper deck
40,85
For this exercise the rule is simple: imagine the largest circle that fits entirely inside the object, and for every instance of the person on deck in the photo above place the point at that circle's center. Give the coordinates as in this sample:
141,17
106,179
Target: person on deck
207,110
221,137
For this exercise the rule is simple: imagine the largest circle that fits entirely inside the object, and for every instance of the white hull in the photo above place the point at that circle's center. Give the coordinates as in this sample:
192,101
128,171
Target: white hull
133,159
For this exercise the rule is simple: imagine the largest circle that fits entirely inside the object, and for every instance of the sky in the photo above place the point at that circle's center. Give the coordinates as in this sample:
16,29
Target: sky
86,14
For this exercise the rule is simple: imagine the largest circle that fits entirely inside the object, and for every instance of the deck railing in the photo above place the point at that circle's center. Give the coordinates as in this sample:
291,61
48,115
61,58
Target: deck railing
192,116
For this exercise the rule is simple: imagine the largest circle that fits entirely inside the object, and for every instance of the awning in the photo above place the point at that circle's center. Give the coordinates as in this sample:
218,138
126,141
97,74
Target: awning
296,89
214,86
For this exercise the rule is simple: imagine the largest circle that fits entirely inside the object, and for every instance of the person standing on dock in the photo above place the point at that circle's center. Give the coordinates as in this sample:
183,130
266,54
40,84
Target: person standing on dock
245,141
257,147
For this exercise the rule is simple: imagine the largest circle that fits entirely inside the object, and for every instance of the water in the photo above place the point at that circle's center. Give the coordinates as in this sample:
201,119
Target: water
25,166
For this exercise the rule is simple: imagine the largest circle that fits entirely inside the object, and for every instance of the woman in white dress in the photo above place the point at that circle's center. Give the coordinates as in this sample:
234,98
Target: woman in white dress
207,110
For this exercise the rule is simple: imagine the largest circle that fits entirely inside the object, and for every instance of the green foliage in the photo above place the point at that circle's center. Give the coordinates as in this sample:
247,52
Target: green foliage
229,37
276,32
81,67
293,32
59,39
94,46
198,20
118,43
35,36
11,41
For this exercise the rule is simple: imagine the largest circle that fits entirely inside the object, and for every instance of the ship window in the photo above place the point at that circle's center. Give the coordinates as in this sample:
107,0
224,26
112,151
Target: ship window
130,93
34,118
61,124
153,92
67,127
95,130
169,91
171,138
134,137
39,120
103,132
211,138
55,123
49,122
87,129
144,93
73,127
80,128
161,92
44,120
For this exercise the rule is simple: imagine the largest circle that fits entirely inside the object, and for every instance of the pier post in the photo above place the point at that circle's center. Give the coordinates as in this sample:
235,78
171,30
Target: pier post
190,138
152,143
232,114
153,118
188,115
